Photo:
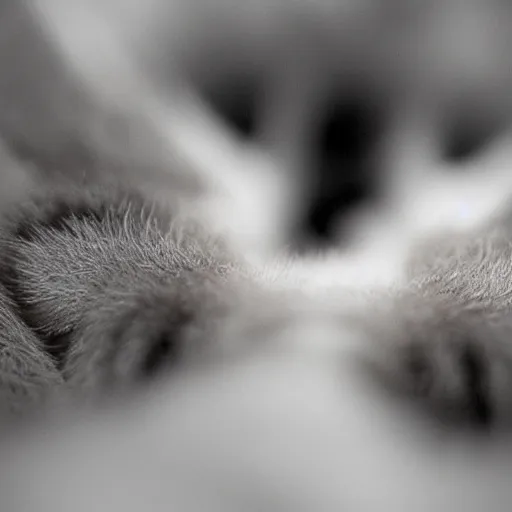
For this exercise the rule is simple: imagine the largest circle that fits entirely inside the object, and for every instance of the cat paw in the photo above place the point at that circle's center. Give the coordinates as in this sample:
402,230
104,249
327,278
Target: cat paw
141,334
456,367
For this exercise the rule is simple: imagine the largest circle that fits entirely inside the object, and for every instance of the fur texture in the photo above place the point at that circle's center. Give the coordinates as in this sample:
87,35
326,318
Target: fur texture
243,387
113,283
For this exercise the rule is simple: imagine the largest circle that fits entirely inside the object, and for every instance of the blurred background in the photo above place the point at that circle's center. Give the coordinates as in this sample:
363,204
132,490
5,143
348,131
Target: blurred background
328,88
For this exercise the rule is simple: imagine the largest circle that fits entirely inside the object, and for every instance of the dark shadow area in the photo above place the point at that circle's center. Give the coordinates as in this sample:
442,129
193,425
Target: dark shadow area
345,149
236,100
467,134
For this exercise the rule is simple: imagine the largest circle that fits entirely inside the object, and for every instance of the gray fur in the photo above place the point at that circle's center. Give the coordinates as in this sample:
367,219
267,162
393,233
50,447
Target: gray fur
103,275
444,336
28,377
